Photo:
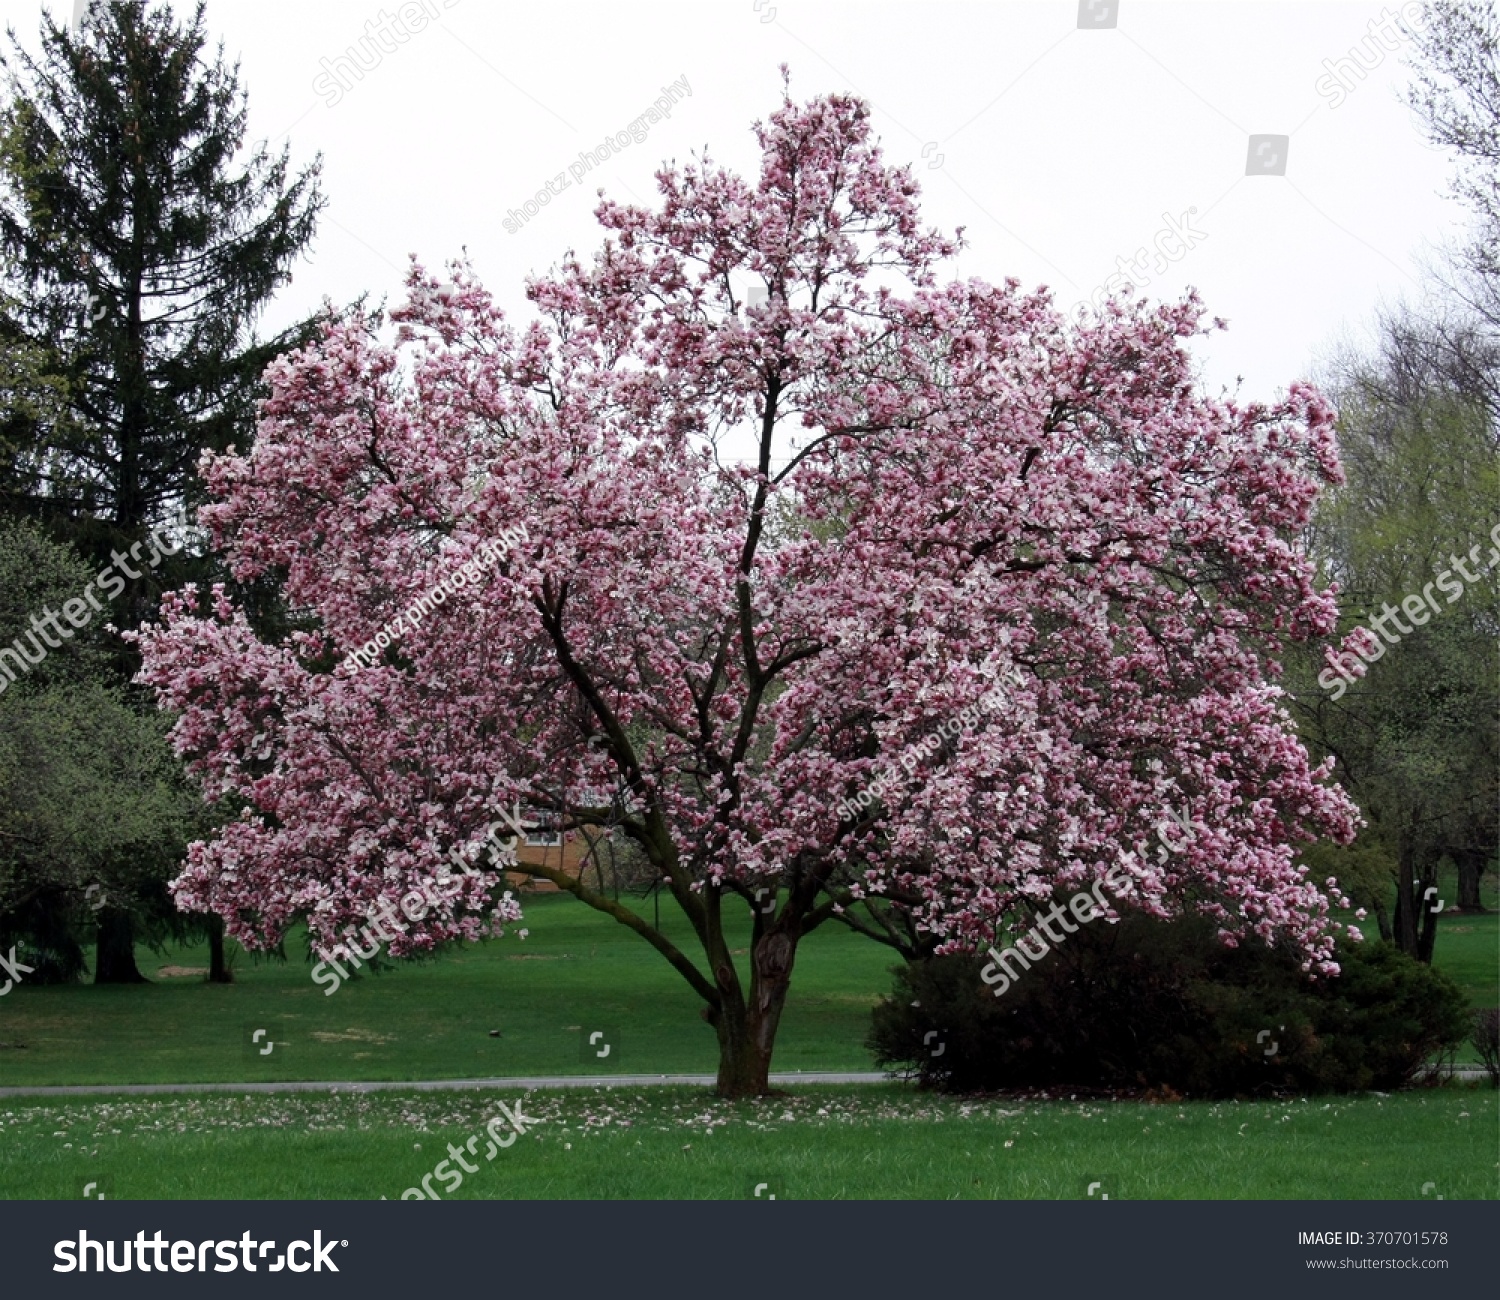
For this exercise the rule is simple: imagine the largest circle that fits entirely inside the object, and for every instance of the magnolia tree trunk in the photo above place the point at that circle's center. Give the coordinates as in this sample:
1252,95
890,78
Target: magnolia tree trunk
218,968
747,1028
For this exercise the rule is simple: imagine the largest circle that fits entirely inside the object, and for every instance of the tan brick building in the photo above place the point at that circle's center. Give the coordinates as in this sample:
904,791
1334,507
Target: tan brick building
545,846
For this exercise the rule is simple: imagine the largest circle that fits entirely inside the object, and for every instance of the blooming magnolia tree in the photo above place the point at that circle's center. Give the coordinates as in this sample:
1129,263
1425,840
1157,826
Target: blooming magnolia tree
773,550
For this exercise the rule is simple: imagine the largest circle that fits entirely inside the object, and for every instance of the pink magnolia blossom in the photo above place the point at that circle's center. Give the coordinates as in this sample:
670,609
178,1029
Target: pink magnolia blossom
770,547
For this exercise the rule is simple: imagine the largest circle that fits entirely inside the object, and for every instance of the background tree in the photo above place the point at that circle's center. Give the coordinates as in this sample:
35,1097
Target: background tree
1456,94
1419,435
1415,737
94,808
1045,515
140,248
144,252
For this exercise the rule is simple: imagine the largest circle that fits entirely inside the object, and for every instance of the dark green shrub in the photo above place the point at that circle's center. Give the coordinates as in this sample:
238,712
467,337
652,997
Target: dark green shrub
1153,1004
1383,1017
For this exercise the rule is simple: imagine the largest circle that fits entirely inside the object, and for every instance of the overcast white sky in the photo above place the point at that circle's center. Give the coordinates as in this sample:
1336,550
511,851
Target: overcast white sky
1060,148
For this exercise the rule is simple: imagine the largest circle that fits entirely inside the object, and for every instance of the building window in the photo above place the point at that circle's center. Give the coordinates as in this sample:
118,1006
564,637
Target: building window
543,829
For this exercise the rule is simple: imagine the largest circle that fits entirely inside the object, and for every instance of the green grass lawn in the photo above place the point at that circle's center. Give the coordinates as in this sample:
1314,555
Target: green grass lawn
1468,950
577,972
873,1142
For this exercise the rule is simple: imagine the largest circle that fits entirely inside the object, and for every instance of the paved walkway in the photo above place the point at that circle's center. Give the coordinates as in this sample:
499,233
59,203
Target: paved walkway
434,1085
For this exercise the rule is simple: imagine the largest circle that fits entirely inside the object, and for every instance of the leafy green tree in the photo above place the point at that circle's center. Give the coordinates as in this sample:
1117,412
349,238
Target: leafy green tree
94,811
1415,736
1419,432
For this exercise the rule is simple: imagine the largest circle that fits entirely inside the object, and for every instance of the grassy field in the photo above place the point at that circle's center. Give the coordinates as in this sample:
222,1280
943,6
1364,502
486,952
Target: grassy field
1468,950
577,973
874,1142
